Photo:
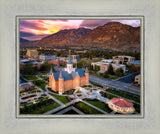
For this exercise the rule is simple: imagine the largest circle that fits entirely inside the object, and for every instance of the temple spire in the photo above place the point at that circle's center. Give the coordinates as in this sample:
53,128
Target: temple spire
51,71
60,75
86,71
69,61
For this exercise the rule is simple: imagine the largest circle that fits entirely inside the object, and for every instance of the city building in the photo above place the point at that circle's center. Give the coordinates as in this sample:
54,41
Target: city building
121,59
32,53
116,66
137,79
68,78
47,56
121,105
136,63
105,65
57,62
75,58
23,86
80,51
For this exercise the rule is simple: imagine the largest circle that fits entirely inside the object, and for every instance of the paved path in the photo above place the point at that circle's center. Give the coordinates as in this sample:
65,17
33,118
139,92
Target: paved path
94,107
53,98
70,108
61,107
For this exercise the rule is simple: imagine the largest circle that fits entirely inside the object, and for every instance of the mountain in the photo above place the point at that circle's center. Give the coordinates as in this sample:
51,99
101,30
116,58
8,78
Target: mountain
64,37
23,40
113,35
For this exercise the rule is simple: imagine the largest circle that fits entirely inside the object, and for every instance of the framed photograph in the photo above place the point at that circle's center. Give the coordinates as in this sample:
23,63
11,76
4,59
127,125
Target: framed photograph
79,67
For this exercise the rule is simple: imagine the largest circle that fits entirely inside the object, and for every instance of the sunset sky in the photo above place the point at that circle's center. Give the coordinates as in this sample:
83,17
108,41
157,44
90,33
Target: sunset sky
37,29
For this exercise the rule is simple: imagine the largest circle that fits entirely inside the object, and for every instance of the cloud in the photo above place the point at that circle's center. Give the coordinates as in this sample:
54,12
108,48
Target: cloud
26,34
95,23
35,37
31,24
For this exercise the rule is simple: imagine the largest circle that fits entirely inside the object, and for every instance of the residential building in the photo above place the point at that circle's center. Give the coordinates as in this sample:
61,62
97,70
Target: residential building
68,78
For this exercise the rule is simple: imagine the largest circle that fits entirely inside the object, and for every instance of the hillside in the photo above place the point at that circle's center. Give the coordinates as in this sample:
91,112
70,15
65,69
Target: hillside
113,35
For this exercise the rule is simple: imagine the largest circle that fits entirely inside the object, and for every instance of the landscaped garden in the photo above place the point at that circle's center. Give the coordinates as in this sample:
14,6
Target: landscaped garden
125,95
86,109
40,107
106,95
100,105
71,91
30,77
63,99
40,83
137,107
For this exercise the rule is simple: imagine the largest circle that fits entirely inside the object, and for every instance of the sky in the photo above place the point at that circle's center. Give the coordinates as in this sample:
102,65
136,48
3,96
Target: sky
37,29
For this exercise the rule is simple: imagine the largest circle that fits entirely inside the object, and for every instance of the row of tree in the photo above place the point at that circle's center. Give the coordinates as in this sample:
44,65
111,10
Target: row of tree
30,69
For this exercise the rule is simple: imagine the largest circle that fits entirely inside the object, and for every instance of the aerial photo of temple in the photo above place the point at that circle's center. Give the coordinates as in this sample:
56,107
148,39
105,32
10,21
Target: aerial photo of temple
68,78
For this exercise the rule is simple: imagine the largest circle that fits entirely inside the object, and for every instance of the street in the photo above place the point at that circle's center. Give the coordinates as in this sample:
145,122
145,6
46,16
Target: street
116,84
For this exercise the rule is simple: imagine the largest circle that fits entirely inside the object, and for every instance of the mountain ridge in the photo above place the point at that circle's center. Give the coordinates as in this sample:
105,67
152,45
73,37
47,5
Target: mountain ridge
113,35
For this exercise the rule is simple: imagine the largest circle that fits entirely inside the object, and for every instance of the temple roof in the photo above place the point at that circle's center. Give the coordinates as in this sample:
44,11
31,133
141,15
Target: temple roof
67,76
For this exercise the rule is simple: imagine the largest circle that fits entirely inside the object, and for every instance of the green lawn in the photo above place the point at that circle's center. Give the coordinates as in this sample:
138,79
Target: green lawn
78,91
100,105
122,94
41,106
43,85
63,99
114,77
71,91
137,107
30,77
40,83
109,96
45,108
29,103
87,109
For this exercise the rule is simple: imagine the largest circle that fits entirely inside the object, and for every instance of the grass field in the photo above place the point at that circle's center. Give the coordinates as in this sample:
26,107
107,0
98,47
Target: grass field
45,108
124,95
87,109
30,77
43,85
100,105
63,99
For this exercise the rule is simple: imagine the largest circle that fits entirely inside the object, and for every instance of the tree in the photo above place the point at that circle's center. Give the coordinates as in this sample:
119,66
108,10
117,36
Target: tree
106,75
27,69
96,68
91,67
119,72
110,69
45,67
134,68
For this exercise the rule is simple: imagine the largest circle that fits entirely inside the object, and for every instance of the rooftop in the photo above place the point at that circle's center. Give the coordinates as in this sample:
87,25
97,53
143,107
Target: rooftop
121,102
135,62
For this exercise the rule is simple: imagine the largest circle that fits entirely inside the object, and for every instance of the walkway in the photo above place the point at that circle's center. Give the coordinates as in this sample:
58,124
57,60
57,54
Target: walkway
94,107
